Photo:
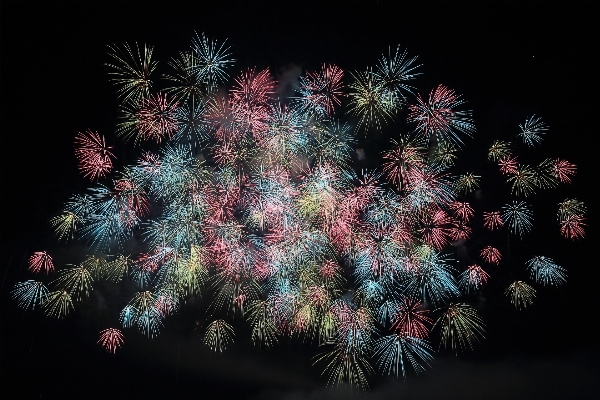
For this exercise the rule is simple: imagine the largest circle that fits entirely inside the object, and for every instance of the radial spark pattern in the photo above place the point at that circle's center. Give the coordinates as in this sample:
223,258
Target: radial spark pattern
253,202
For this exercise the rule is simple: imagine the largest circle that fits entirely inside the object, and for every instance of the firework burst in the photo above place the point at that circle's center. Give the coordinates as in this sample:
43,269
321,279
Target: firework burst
111,339
93,154
252,202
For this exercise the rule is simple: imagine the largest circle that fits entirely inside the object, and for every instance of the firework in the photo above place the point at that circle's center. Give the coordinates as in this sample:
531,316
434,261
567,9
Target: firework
394,350
30,294
369,101
65,225
437,120
347,361
111,339
532,131
156,118
320,92
393,72
473,278
462,210
410,319
564,170
186,83
508,165
573,227
571,217
492,220
490,255
546,272
569,208
461,326
93,154
58,304
523,180
406,155
132,71
264,330
40,261
212,60
521,294
219,334
468,182
143,313
499,150
76,281
433,280
252,202
518,217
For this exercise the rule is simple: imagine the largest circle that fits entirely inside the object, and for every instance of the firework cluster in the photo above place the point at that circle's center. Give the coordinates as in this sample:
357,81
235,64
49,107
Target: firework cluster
252,201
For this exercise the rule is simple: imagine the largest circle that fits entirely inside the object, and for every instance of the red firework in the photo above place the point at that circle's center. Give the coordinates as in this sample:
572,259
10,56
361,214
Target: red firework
564,170
437,118
156,118
462,210
435,231
136,199
93,154
40,260
492,220
111,339
490,255
323,89
410,319
572,227
476,276
254,89
508,165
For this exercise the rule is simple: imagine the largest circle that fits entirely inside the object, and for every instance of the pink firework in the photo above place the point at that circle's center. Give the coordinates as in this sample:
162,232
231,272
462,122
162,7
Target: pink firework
461,210
459,231
563,170
436,229
150,164
224,118
93,154
165,305
111,339
508,165
490,255
573,227
254,89
135,198
437,118
40,260
323,89
410,319
317,296
147,263
221,201
474,277
492,220
250,99
156,118
330,270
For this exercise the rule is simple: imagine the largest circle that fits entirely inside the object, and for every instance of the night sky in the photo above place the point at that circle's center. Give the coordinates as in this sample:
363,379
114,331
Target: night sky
509,61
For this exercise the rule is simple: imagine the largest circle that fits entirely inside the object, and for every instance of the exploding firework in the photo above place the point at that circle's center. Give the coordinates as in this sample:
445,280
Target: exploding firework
252,201
93,154
111,339
40,261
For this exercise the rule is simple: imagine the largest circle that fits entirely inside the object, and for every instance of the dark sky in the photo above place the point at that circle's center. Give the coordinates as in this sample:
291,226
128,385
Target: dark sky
508,60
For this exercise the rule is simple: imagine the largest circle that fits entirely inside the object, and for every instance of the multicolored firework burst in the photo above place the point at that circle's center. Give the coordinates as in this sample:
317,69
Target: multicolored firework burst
252,201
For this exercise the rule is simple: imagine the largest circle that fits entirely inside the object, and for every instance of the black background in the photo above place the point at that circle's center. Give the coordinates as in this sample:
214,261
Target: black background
508,60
